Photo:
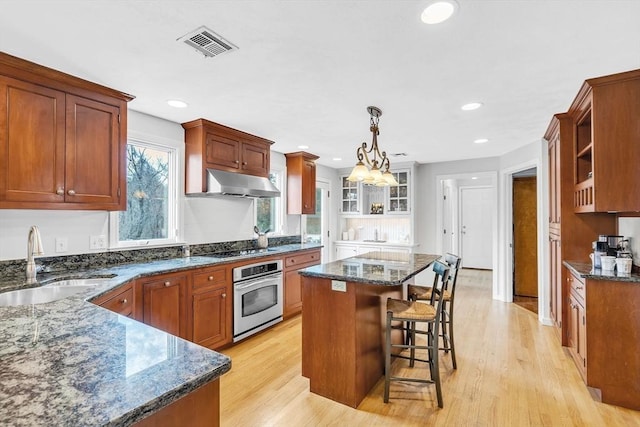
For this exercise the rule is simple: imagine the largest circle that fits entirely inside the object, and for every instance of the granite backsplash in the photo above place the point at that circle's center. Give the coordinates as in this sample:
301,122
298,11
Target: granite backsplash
17,268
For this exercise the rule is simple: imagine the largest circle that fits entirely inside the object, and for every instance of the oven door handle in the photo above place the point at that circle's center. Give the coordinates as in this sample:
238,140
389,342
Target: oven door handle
253,283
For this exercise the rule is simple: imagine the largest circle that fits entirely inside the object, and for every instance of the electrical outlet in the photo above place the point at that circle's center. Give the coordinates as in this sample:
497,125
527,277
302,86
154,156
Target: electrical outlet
62,244
98,242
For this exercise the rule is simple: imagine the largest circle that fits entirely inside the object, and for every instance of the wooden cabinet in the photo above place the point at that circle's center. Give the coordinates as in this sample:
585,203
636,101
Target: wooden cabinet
570,234
211,307
292,281
606,151
301,183
577,324
210,145
62,142
164,302
119,300
604,338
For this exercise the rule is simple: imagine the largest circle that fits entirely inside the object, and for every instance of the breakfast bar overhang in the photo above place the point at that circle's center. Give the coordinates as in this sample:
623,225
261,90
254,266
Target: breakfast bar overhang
343,316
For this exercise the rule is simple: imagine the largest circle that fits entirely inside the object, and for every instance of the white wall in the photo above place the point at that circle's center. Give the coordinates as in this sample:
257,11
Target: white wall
630,228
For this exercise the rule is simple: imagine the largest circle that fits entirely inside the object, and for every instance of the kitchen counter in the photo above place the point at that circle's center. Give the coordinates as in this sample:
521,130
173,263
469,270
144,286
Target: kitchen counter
70,362
585,271
343,320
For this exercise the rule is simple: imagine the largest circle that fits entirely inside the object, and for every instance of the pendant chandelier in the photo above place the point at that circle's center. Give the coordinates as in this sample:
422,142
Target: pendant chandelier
376,170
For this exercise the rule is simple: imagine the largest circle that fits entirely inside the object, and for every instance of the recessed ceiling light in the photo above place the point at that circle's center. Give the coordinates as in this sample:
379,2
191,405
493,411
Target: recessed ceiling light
481,140
439,11
471,106
176,103
337,159
474,177
303,147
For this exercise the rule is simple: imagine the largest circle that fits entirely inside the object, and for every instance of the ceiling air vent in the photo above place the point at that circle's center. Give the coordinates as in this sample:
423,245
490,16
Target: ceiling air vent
207,42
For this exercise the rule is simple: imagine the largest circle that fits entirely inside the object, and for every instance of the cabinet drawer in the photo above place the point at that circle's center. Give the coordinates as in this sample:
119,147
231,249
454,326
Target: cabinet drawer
577,287
300,259
121,303
210,277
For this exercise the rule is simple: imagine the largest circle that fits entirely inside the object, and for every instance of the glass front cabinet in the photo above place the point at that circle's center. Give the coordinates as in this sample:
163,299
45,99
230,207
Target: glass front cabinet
360,199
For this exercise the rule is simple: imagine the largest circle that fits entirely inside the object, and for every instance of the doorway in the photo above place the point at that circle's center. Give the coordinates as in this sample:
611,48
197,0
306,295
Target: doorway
525,232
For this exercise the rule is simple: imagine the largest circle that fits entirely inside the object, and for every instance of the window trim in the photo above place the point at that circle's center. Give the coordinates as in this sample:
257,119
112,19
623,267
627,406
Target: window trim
280,213
173,232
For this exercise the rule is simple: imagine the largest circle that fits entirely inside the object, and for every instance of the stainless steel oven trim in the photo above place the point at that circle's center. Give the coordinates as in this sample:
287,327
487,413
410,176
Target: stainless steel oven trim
237,272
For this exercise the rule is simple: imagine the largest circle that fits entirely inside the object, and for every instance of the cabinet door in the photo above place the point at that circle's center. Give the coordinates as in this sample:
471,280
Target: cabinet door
555,277
94,153
255,158
582,336
292,293
343,251
32,122
399,196
350,196
164,303
222,151
211,317
119,301
309,187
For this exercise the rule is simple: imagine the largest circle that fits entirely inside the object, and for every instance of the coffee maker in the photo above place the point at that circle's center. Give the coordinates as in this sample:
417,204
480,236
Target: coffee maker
617,246
600,248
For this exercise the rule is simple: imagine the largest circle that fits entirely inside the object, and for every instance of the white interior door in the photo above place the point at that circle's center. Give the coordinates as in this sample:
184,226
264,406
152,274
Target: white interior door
475,227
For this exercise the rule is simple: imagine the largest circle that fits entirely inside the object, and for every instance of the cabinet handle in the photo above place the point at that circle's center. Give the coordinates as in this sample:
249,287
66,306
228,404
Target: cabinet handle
71,193
167,283
60,191
124,301
210,278
224,295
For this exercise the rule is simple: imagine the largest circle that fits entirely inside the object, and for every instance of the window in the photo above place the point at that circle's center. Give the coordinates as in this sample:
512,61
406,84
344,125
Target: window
269,212
150,217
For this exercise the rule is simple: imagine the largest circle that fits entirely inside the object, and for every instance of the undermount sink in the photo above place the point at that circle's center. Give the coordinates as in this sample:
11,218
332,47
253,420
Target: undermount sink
48,293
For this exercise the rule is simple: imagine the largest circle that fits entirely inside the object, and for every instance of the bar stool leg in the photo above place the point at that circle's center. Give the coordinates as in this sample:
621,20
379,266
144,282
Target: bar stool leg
387,359
451,341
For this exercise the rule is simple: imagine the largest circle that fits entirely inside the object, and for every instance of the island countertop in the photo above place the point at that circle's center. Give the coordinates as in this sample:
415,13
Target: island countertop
374,268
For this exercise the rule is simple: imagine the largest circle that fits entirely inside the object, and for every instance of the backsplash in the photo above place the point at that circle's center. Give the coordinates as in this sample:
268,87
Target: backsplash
389,228
630,227
17,268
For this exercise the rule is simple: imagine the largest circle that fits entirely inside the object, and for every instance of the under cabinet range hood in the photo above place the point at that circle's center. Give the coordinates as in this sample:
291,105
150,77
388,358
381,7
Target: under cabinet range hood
221,183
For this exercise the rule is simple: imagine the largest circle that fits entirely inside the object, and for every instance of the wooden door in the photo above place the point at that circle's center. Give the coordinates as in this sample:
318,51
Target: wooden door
211,317
222,151
164,304
255,158
525,235
94,154
32,122
476,228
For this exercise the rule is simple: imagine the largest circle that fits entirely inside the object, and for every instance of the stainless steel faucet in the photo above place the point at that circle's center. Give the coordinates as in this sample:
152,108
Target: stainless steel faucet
375,234
34,247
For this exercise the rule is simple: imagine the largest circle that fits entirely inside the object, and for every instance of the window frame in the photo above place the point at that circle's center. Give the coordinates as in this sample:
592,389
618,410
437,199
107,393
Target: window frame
173,235
280,212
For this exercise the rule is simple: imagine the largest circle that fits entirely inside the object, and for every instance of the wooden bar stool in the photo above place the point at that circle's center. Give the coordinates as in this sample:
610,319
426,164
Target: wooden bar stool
423,293
408,313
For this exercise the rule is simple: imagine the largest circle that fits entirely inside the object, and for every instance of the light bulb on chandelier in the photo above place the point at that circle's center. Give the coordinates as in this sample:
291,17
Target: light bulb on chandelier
371,173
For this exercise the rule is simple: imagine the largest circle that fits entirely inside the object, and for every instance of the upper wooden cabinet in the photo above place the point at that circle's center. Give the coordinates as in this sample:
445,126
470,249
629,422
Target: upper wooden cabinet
301,183
62,140
606,147
210,145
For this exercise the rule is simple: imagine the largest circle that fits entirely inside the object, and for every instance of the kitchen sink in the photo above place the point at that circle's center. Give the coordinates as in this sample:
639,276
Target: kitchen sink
374,241
48,293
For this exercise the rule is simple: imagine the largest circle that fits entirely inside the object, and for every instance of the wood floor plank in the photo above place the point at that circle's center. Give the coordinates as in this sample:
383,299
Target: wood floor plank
512,371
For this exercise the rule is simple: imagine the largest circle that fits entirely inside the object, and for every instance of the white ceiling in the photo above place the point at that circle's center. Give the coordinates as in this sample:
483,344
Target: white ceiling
305,71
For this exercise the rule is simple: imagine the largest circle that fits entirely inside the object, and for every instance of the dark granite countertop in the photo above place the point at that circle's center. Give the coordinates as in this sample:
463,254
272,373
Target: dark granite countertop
70,362
377,268
585,271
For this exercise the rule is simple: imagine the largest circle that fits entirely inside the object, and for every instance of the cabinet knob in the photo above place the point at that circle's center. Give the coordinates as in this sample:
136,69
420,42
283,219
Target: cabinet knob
244,163
293,261
224,295
236,161
124,301
210,278
167,283
71,193
60,191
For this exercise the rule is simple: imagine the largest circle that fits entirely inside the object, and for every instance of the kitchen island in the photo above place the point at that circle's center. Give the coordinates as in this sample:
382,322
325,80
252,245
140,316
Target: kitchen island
343,317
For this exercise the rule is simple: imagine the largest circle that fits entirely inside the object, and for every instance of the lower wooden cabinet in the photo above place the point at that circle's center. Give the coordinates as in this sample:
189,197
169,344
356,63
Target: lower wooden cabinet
211,307
292,285
164,302
119,300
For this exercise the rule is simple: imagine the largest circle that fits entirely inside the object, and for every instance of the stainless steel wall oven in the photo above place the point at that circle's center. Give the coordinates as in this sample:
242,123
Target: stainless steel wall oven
257,297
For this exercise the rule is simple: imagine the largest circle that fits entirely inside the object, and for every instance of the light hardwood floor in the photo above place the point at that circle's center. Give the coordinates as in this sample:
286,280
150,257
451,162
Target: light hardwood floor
512,371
